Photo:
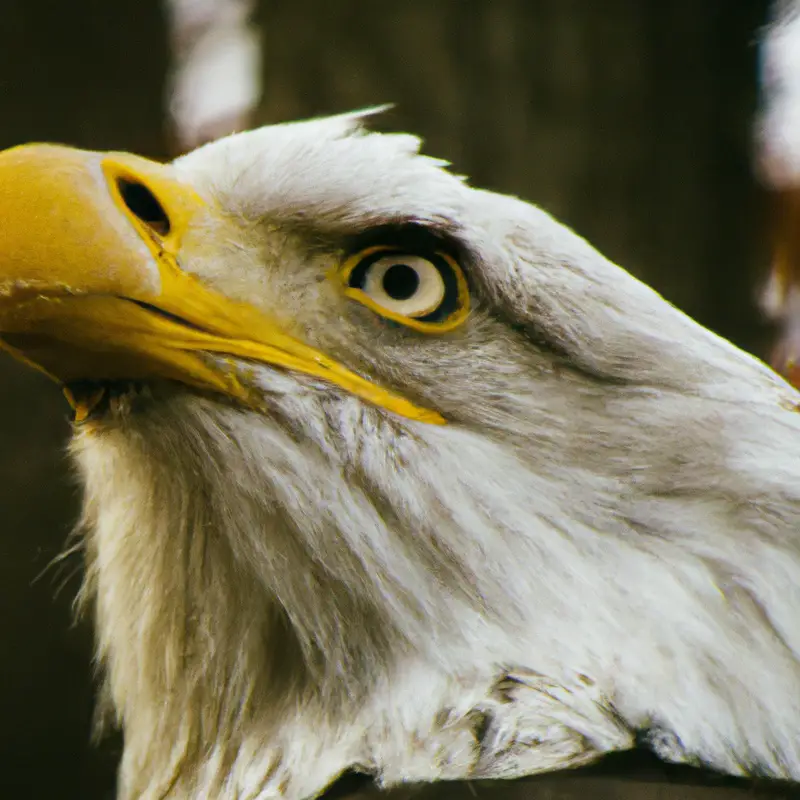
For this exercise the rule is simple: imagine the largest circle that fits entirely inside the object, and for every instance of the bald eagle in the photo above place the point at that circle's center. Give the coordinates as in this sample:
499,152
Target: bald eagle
387,473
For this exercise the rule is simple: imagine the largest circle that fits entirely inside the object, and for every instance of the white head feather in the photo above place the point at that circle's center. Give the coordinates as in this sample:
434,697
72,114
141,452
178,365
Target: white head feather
603,540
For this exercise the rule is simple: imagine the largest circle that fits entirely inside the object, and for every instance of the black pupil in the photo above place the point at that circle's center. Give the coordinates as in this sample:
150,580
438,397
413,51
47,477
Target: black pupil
400,281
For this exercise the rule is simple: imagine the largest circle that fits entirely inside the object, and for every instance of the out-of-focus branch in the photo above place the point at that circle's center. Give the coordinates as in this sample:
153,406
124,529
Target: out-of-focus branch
215,83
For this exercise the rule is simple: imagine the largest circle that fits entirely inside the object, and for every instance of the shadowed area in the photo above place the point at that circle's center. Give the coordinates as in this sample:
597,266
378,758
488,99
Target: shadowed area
88,74
624,776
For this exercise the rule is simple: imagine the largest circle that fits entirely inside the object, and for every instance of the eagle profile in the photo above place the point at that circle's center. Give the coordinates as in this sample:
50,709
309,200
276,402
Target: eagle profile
387,473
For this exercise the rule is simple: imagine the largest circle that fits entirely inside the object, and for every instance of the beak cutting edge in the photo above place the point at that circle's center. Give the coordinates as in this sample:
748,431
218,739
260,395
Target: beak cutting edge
91,288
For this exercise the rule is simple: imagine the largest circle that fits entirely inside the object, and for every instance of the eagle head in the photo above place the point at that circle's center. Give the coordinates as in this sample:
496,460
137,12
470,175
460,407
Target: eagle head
383,472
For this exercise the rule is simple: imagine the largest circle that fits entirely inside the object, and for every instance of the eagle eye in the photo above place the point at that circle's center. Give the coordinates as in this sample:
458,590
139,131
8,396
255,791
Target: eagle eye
427,291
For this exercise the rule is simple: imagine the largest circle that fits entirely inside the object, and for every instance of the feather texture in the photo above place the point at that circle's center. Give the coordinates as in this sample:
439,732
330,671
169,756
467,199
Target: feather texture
602,541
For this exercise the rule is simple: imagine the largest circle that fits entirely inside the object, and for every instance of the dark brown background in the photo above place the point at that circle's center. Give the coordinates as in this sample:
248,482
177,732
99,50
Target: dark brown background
629,119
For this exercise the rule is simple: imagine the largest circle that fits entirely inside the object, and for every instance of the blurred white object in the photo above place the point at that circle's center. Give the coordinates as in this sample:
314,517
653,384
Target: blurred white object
215,83
778,161
778,136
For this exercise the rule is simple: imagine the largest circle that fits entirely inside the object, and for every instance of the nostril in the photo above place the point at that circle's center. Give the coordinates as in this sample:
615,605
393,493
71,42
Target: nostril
142,203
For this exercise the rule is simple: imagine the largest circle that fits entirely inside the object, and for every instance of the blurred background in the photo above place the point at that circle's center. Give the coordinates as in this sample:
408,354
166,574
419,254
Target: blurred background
631,120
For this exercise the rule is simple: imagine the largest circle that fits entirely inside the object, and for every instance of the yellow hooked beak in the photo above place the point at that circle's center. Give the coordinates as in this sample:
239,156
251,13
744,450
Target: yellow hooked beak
91,288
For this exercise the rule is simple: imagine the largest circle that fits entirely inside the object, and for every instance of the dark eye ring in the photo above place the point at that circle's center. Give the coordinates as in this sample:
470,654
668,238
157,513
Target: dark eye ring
427,292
